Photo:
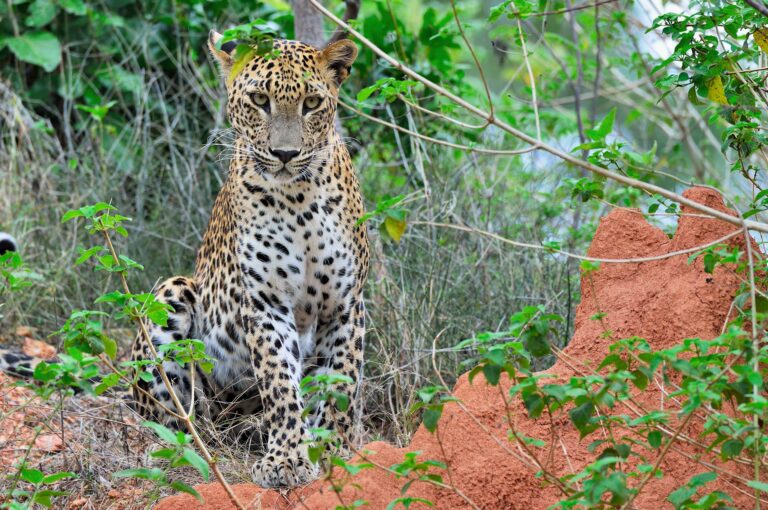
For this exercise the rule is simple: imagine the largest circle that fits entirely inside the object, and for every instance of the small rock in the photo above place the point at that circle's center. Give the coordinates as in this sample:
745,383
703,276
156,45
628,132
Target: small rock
24,331
78,503
37,348
49,443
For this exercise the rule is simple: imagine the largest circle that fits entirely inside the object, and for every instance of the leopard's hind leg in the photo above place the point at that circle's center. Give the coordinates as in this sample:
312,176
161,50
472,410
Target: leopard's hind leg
151,396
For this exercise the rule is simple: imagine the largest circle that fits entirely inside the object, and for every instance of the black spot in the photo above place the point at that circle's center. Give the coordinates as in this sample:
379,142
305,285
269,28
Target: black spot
281,248
254,188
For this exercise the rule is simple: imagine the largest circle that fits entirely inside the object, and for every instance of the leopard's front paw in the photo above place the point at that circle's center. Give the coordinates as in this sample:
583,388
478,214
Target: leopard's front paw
284,471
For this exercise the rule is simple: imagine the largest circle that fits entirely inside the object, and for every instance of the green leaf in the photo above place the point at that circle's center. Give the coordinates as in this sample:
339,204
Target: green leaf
431,417
158,316
761,486
107,382
33,476
342,401
164,453
183,487
110,347
161,431
534,404
38,48
87,254
44,497
680,496
407,502
580,415
41,12
89,211
731,448
702,479
76,7
155,474
640,380
604,128
492,374
55,477
197,462
654,438
537,345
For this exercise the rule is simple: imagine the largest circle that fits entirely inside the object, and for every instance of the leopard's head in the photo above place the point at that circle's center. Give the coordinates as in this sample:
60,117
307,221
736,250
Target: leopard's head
282,107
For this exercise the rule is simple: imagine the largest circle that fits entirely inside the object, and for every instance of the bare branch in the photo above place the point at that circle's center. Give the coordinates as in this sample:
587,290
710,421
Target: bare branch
758,6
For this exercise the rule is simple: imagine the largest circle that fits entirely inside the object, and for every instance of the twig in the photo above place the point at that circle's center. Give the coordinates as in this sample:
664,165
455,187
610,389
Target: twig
480,150
634,260
439,115
756,358
570,9
598,65
474,57
531,78
757,5
579,78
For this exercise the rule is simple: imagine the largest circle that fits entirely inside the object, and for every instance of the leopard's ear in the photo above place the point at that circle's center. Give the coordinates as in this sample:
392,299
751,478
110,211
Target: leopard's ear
339,57
222,55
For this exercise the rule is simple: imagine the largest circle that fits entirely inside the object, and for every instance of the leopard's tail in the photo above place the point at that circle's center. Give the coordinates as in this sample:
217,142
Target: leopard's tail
7,243
13,362
17,363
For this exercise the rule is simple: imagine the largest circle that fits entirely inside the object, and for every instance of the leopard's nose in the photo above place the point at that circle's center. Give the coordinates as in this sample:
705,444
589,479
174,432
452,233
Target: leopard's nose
284,156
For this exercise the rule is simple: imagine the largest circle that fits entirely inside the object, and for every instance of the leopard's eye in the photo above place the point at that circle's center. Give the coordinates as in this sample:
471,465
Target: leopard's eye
261,100
312,102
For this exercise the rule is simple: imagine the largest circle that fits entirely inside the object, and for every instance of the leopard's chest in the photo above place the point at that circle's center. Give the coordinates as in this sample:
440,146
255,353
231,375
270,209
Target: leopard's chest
297,257
291,258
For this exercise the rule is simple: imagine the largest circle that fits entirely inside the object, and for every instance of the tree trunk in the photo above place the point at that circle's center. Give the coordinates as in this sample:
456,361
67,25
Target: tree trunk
308,23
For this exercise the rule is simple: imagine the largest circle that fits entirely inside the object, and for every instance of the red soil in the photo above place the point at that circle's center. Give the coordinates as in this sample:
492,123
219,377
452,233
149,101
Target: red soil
662,301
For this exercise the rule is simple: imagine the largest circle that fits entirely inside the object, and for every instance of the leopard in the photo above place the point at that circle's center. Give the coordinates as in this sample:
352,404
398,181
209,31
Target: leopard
276,295
277,291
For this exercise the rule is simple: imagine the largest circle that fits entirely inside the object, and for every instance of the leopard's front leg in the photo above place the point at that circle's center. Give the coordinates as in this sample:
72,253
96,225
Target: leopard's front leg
273,341
339,350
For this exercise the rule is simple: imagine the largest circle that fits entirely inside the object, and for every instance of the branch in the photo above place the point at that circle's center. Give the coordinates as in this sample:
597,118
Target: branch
568,158
755,4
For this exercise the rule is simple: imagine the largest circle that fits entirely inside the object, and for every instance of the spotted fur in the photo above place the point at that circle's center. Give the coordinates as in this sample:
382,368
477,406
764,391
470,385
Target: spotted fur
277,290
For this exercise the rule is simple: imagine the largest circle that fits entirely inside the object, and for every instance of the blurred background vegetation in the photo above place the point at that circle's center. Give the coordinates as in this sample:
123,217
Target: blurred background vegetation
117,101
